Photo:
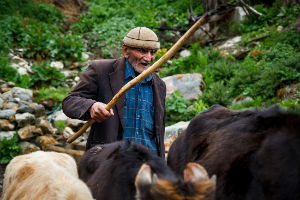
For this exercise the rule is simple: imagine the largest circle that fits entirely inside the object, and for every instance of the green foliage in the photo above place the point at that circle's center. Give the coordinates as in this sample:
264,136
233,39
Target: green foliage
43,12
60,125
42,40
44,75
8,73
177,109
200,106
108,21
277,14
291,104
217,93
51,93
9,148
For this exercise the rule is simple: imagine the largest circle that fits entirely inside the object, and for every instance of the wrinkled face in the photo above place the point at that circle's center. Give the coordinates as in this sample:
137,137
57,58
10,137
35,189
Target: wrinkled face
140,59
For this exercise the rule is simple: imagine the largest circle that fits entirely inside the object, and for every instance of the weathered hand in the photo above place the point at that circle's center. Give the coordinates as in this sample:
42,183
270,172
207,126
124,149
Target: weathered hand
99,113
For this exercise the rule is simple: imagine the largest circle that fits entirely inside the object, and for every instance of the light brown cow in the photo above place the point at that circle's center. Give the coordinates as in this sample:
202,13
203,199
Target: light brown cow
43,176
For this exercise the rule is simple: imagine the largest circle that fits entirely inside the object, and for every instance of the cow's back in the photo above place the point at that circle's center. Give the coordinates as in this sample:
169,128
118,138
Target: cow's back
254,153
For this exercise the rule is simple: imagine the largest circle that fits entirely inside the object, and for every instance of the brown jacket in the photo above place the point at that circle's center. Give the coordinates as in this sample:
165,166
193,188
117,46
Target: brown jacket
100,82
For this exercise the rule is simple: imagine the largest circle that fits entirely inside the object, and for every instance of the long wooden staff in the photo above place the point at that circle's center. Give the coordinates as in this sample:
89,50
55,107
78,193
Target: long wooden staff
144,74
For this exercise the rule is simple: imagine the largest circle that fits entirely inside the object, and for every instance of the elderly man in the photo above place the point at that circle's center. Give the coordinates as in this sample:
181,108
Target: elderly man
139,115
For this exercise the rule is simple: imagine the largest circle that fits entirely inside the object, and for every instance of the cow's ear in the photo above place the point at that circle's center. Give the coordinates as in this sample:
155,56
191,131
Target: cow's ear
194,173
144,176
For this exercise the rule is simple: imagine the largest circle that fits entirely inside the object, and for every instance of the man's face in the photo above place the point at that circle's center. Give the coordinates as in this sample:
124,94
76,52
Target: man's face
140,59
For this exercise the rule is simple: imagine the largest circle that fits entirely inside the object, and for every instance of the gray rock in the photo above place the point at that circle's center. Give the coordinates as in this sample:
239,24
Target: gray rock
11,106
240,100
7,114
28,147
45,126
25,119
28,132
1,102
7,134
25,108
11,84
7,95
75,124
185,53
189,85
59,116
6,125
23,94
171,133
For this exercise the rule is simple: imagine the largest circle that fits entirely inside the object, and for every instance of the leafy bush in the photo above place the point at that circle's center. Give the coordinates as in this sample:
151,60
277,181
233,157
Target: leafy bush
44,75
43,41
177,109
217,93
291,104
60,125
51,93
8,73
9,148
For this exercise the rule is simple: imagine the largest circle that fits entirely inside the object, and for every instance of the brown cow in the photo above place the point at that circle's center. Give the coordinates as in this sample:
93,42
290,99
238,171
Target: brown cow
127,171
254,153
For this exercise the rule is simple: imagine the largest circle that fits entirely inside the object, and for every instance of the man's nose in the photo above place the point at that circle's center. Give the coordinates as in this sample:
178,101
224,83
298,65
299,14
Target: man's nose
148,56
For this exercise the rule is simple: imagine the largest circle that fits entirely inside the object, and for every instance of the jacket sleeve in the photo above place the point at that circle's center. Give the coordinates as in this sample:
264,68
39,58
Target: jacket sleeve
77,103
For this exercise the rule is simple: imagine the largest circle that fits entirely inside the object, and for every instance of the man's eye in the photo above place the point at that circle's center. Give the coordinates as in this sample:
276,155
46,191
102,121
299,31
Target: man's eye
153,51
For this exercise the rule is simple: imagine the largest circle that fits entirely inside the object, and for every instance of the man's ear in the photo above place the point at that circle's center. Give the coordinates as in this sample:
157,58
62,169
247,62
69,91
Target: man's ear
125,51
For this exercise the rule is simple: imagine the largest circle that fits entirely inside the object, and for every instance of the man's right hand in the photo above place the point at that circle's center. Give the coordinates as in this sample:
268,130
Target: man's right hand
99,113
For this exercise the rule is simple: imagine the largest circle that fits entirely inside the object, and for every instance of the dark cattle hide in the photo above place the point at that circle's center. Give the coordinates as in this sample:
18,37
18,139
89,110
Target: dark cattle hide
254,153
127,171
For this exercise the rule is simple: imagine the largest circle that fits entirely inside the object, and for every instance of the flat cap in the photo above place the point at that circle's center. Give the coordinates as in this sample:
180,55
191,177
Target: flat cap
142,37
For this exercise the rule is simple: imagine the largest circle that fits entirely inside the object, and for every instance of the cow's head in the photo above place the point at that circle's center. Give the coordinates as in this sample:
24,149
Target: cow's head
195,186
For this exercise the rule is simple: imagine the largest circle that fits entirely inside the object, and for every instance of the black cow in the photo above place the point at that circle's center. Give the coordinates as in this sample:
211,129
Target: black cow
254,153
127,171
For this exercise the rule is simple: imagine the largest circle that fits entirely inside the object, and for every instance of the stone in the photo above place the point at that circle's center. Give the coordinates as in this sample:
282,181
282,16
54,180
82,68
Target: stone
45,126
185,53
25,119
28,147
22,94
85,55
7,95
242,99
46,140
59,116
11,84
6,125
171,133
189,85
25,108
75,124
8,134
28,132
58,65
11,106
279,29
7,113
230,44
1,102
68,132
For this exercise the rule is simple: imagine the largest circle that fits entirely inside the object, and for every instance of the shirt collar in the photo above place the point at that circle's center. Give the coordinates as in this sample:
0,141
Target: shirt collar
129,72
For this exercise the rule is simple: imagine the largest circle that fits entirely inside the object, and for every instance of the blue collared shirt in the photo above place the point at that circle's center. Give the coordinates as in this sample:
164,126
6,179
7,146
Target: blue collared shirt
139,111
